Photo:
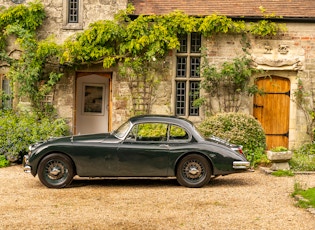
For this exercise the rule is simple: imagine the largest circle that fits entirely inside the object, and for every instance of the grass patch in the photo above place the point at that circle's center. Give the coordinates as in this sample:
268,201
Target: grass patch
3,161
282,173
303,158
308,196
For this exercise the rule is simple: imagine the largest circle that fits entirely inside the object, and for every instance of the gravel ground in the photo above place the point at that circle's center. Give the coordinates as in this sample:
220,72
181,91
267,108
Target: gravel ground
252,200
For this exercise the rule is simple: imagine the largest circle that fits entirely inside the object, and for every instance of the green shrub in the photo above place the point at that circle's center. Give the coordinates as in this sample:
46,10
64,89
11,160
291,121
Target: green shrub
257,157
19,130
238,128
3,161
279,149
303,158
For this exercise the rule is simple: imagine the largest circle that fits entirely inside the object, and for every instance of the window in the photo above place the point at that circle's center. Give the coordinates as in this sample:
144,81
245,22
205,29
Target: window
72,11
149,132
178,133
6,93
187,79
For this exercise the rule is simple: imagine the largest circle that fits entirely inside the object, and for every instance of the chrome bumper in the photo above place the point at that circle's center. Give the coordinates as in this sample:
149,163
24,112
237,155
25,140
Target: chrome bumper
26,167
241,165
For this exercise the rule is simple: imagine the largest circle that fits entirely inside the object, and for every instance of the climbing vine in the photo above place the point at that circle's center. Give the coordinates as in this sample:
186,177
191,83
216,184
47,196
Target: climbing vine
33,65
125,41
304,100
227,84
140,43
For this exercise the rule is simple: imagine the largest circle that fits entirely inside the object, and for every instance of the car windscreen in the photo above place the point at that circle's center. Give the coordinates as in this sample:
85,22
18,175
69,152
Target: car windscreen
122,130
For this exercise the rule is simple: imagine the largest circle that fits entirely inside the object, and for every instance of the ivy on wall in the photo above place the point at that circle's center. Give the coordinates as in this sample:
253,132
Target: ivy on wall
150,37
227,84
33,65
124,40
304,99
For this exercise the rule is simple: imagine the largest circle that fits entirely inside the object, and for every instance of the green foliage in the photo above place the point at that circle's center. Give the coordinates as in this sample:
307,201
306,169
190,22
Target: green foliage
305,101
216,24
266,28
148,37
308,196
227,83
282,173
257,157
303,158
19,130
36,70
28,17
279,149
238,128
3,161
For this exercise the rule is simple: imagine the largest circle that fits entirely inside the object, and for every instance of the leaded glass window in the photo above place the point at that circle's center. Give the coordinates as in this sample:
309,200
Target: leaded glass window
187,75
73,11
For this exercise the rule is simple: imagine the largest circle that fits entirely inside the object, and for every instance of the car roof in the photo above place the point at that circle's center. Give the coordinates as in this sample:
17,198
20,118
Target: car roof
161,118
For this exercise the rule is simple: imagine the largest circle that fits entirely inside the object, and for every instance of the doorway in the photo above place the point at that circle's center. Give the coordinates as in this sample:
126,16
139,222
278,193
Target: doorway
272,109
92,103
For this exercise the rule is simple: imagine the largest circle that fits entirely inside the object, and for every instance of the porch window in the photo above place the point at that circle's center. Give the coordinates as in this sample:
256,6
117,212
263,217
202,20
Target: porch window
72,11
187,79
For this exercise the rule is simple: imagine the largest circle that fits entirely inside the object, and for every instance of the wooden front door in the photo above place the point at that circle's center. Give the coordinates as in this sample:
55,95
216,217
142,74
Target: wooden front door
272,109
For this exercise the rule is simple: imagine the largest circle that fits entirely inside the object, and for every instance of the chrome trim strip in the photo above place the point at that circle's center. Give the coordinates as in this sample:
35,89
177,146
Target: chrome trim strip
241,165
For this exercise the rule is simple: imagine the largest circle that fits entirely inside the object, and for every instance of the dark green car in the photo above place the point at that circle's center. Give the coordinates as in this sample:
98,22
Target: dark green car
144,146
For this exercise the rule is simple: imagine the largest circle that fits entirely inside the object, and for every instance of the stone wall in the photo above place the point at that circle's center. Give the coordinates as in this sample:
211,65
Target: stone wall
290,55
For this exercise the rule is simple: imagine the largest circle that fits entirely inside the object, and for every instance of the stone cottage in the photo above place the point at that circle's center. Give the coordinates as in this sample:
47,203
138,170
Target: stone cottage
95,99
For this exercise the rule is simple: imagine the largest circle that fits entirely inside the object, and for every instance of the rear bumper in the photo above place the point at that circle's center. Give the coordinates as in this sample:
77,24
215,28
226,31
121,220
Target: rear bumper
241,165
26,167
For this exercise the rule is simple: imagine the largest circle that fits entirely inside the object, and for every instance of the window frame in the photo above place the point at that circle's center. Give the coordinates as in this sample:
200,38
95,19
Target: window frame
66,10
133,134
6,82
188,76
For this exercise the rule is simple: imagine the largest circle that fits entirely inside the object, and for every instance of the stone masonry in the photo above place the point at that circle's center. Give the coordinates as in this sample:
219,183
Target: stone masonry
290,55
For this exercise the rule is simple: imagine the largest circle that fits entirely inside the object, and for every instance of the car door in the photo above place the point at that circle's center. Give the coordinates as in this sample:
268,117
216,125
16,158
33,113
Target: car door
145,151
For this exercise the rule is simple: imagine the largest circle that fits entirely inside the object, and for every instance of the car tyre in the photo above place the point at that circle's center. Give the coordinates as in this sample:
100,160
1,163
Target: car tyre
193,171
56,170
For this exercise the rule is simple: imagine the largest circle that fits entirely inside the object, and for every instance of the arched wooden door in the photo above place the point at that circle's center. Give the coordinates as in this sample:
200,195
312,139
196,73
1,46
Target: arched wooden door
272,109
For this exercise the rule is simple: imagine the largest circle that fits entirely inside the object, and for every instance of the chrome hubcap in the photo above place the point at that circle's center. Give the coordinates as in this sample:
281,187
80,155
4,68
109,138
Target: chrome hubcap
193,170
55,170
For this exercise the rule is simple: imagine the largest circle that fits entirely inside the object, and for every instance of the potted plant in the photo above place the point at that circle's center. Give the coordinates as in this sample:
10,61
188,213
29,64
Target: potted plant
279,157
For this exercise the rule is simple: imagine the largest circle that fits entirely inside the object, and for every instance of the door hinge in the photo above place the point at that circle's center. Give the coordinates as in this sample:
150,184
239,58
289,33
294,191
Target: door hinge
285,93
282,134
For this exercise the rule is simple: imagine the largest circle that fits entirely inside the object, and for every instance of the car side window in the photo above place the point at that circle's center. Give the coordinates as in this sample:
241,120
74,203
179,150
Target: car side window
149,132
178,133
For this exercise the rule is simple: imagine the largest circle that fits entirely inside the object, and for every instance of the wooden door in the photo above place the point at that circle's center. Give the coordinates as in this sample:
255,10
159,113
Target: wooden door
272,109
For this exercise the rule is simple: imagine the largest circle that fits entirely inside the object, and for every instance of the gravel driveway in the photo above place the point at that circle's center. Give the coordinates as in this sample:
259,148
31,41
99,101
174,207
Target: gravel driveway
252,200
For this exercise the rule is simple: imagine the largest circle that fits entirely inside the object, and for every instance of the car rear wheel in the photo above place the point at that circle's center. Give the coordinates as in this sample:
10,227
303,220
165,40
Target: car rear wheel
56,171
193,171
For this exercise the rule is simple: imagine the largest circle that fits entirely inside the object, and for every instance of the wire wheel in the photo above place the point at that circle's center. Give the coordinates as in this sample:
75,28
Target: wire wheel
193,171
56,171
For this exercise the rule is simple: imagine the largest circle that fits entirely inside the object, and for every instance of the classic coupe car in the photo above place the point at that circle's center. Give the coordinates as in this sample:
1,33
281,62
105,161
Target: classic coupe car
144,146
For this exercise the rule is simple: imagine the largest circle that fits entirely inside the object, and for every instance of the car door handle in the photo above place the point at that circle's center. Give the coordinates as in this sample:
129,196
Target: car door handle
164,146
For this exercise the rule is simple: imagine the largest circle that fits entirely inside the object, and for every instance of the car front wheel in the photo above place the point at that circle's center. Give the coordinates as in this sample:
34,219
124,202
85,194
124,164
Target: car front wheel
56,171
193,171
